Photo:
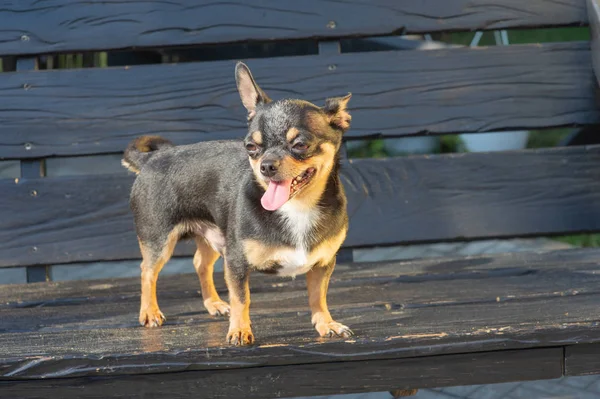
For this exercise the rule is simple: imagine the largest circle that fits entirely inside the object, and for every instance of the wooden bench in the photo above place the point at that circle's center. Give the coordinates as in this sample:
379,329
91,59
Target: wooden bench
421,323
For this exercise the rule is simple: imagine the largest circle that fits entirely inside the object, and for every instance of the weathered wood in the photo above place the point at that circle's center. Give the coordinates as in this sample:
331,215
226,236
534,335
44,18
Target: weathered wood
401,200
397,309
582,359
593,7
347,275
32,169
64,25
78,112
308,380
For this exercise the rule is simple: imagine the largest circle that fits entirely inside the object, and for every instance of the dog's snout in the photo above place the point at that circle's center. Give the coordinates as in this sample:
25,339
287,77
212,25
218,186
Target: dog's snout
269,167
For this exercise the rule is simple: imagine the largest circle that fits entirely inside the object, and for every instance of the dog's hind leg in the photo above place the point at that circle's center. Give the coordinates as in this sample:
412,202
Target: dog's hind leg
204,261
154,255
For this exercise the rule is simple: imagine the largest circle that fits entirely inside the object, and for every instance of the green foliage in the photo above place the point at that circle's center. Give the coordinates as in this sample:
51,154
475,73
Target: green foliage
547,138
369,149
583,240
549,35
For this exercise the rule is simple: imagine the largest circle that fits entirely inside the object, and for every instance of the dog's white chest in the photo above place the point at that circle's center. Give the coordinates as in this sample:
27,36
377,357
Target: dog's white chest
295,259
299,223
292,262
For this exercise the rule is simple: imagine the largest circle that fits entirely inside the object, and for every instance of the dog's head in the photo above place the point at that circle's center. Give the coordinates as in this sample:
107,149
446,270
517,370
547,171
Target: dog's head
292,144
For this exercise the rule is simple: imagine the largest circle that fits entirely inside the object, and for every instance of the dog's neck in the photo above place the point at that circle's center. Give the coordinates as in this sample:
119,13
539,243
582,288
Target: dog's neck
303,219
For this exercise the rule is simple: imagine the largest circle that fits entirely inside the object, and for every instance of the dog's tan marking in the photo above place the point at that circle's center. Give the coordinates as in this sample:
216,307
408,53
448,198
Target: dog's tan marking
261,256
130,167
317,121
257,137
291,134
240,327
290,167
293,261
150,314
317,283
255,165
310,195
326,251
204,260
148,143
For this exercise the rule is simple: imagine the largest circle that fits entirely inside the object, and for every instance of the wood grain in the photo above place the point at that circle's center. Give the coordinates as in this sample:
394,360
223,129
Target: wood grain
307,380
346,275
399,200
396,93
397,309
64,25
582,360
593,7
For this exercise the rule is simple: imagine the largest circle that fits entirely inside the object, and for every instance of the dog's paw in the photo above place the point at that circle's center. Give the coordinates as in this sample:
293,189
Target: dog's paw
217,307
151,317
240,336
332,329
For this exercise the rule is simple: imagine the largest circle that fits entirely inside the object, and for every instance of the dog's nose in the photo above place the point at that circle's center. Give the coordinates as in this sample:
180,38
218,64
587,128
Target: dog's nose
269,167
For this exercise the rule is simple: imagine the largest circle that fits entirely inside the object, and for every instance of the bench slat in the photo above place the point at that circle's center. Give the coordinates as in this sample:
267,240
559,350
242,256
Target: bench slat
347,275
594,17
65,25
398,200
325,379
396,93
400,310
582,359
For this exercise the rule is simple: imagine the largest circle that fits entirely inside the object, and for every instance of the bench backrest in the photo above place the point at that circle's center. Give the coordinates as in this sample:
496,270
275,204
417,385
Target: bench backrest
51,115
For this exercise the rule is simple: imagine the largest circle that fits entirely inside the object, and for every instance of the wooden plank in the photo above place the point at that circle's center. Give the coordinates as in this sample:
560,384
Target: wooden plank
360,295
64,25
400,200
347,275
79,112
307,380
31,169
593,7
397,309
582,359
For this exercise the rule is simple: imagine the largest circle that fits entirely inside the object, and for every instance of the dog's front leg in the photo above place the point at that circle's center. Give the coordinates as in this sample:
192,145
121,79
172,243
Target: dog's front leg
317,282
240,327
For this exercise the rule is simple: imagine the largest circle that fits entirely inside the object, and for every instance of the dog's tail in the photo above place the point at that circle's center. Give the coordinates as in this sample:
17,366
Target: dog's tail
141,149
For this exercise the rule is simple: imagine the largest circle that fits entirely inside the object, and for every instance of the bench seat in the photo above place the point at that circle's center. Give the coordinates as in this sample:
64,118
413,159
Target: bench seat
422,323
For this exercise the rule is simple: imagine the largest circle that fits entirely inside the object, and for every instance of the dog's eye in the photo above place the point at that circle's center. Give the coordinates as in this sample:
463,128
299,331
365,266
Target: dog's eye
251,147
300,147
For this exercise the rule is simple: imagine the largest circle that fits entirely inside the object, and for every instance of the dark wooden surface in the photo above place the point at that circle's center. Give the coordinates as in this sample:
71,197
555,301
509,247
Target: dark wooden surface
78,112
32,169
398,200
593,7
64,25
306,380
453,321
582,359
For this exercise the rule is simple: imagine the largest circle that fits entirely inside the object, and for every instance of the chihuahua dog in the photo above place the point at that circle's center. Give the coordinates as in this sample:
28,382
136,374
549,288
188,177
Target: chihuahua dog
272,203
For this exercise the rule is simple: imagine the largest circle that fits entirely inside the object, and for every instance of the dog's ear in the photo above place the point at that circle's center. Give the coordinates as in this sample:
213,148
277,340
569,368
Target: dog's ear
336,110
250,93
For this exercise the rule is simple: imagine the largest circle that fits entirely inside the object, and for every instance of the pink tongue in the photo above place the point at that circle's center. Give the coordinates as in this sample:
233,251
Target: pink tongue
276,195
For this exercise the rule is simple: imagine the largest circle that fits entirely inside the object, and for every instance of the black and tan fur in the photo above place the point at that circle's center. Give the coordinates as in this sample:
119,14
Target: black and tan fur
212,192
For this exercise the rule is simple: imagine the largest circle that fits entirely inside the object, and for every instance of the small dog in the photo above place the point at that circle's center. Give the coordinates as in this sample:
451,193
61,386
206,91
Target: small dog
272,203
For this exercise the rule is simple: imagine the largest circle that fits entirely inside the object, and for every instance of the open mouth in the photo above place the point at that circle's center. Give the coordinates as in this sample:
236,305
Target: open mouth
301,181
280,192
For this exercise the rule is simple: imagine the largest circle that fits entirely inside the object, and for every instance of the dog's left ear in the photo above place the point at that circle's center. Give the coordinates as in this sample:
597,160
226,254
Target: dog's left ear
336,110
250,93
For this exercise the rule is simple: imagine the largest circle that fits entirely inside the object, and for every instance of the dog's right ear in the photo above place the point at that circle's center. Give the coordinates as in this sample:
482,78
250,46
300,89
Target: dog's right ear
250,93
